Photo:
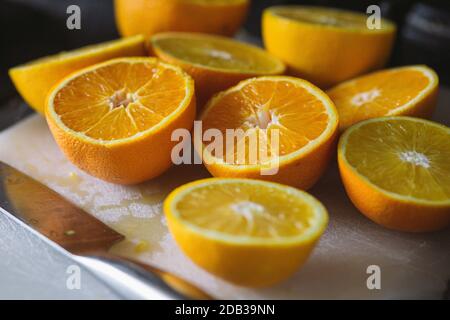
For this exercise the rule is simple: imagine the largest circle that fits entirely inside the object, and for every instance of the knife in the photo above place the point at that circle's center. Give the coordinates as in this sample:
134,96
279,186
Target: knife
86,240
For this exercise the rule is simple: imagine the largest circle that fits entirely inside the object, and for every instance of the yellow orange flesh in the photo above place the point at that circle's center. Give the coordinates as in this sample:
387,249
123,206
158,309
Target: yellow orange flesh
217,53
408,158
215,63
243,210
231,227
400,91
397,172
114,120
326,17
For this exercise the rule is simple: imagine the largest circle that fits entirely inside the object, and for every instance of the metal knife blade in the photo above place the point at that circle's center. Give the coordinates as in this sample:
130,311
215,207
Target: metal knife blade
86,238
53,216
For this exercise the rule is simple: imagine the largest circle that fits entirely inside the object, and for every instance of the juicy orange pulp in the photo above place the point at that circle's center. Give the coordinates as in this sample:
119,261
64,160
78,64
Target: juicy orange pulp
215,63
249,232
247,210
217,53
396,172
406,157
267,105
408,90
114,120
119,101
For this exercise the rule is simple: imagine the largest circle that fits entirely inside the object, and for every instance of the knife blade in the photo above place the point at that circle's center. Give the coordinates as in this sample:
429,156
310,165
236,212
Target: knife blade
86,239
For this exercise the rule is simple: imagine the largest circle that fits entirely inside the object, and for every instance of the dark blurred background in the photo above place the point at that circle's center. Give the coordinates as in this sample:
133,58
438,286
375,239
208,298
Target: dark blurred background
34,28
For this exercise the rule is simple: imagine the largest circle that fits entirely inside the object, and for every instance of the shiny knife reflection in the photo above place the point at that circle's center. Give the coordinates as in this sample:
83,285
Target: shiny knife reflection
86,239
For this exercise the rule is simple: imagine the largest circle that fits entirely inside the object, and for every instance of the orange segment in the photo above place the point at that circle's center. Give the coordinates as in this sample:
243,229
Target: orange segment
298,113
82,118
116,124
400,91
114,119
143,117
166,84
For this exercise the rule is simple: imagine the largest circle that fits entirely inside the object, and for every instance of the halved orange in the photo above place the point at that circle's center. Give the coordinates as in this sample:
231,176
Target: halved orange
34,79
216,63
408,90
325,45
294,122
148,17
114,120
396,171
246,231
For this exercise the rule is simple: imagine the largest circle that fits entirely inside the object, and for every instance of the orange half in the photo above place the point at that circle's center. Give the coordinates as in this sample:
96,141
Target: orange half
408,90
215,63
35,79
297,113
396,171
114,119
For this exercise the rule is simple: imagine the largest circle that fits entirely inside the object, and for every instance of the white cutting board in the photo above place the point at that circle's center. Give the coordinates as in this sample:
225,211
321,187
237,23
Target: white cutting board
412,265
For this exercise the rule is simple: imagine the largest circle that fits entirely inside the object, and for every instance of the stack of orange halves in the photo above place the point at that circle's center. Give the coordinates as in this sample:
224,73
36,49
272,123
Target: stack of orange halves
113,112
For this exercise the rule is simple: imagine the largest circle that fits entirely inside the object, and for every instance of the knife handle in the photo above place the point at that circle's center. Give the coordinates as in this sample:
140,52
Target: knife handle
135,281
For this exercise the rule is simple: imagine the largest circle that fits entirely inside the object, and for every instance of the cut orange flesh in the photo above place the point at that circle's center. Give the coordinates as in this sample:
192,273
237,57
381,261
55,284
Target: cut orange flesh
114,119
399,91
215,63
216,52
232,227
396,170
119,100
298,113
267,105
